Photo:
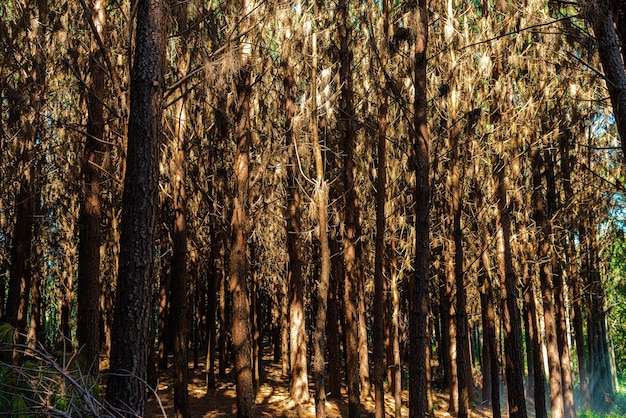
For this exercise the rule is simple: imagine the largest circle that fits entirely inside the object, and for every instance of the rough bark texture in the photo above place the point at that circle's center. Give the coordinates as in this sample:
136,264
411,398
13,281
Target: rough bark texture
299,389
26,113
418,287
456,208
130,333
538,376
352,228
379,258
321,202
560,314
600,16
241,319
333,386
89,286
179,285
509,293
491,377
539,216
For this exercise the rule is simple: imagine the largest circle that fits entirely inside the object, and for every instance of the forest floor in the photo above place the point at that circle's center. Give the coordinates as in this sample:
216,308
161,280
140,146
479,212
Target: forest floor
272,399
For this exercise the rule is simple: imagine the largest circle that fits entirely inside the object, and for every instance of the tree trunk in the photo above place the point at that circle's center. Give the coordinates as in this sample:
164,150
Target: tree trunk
89,284
130,334
601,19
491,377
418,286
351,236
560,313
179,284
538,377
29,122
321,202
509,294
211,295
241,314
299,389
379,258
333,388
544,230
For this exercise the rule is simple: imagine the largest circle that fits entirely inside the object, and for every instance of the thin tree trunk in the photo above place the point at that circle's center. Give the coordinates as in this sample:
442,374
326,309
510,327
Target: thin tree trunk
321,201
559,297
418,286
179,284
381,194
539,378
211,296
352,232
491,377
89,284
130,333
299,389
241,314
539,216
509,294
333,388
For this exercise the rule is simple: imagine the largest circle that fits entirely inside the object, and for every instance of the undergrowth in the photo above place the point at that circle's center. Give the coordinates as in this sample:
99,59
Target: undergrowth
37,382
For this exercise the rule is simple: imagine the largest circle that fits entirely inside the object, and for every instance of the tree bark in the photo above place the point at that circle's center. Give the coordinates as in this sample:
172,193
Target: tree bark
179,284
299,387
600,16
509,295
418,286
129,351
89,284
241,313
560,313
321,202
351,236
491,377
379,258
543,232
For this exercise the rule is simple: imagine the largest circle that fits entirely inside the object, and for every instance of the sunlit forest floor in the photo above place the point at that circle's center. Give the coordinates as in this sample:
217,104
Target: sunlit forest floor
272,399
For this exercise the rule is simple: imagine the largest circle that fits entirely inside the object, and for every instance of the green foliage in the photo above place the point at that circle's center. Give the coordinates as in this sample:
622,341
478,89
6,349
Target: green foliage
44,384
616,295
618,406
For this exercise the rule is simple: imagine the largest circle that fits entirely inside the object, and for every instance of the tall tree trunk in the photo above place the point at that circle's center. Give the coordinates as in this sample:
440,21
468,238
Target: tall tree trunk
379,258
491,377
179,284
539,378
321,203
30,123
456,208
299,389
418,286
241,314
130,334
543,232
89,284
571,254
509,295
560,314
352,232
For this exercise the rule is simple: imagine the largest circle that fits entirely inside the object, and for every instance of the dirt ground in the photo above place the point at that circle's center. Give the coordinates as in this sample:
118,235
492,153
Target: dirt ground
272,399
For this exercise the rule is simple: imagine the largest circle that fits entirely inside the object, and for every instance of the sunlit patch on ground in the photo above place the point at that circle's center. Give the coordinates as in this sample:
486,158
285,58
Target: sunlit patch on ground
273,399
